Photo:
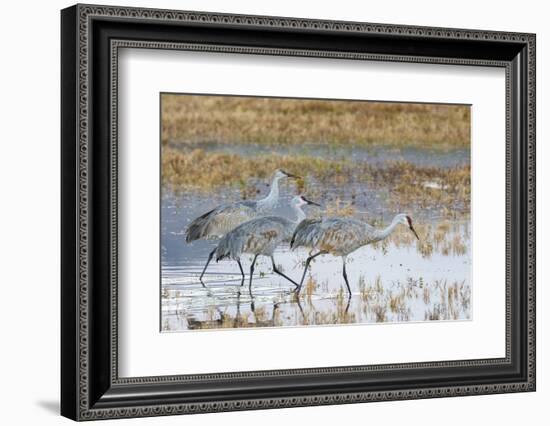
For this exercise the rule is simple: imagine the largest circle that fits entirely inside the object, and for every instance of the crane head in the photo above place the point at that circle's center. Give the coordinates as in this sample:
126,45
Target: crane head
407,221
279,174
300,201
410,223
306,201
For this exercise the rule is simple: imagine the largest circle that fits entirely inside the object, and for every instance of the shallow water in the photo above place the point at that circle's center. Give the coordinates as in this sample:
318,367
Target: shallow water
416,156
400,272
391,284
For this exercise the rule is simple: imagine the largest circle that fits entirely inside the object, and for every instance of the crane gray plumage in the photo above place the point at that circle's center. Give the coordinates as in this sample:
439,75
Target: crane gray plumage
222,219
257,236
260,237
340,237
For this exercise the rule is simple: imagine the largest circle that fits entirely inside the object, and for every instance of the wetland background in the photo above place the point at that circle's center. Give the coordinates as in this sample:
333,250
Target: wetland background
369,160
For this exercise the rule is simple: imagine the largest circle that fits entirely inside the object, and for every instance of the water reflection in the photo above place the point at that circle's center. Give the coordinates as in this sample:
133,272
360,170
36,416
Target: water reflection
391,284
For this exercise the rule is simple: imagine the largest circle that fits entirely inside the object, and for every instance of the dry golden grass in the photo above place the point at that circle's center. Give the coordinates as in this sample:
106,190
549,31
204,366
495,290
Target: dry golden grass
377,301
444,237
197,170
339,208
338,313
310,287
231,119
397,302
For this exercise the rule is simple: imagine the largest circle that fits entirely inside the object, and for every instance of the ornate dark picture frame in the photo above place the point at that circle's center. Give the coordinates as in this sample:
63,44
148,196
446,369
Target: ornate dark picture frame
90,386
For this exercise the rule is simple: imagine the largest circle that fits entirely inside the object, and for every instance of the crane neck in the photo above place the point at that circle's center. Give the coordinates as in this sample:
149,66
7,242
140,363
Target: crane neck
270,202
300,215
386,232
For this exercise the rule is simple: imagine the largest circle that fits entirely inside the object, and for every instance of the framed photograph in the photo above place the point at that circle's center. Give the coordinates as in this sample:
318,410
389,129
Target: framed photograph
263,212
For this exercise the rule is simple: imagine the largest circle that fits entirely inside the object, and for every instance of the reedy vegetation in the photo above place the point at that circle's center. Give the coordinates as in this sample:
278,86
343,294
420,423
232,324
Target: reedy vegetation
376,302
229,119
200,171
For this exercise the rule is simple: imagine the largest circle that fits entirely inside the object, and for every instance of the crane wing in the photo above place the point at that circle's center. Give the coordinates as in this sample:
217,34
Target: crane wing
340,234
333,235
254,236
219,221
305,233
262,233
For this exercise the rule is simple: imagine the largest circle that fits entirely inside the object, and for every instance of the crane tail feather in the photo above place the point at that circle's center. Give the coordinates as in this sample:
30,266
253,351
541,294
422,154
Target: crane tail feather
301,234
198,229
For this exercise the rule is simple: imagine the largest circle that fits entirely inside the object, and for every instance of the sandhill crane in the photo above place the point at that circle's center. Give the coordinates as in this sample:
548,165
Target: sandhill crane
222,219
340,237
260,236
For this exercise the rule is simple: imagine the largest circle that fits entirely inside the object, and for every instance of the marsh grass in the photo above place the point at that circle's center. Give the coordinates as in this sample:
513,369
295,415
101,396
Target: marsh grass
311,286
201,171
454,299
442,237
337,313
340,208
381,304
229,119
376,302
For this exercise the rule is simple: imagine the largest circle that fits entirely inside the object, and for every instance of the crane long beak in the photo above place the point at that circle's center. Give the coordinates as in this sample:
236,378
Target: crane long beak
290,175
414,232
311,202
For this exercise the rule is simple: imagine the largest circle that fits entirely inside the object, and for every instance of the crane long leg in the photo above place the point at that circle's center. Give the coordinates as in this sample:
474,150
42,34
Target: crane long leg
242,272
252,273
345,275
238,314
301,309
206,266
349,303
276,270
308,260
